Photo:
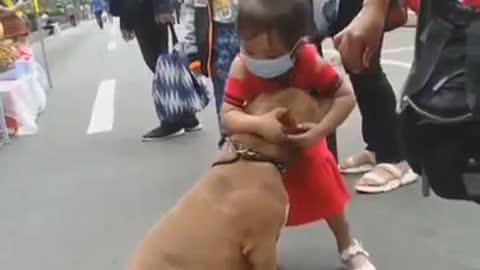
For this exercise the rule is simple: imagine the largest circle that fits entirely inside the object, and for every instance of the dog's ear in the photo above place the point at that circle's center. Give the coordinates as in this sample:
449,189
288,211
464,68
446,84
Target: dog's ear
278,113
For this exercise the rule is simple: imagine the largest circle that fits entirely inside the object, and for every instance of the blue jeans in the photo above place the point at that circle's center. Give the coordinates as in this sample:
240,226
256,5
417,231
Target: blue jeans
226,48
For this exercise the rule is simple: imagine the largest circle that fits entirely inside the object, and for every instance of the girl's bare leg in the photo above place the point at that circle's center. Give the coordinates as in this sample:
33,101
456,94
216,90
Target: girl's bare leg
351,252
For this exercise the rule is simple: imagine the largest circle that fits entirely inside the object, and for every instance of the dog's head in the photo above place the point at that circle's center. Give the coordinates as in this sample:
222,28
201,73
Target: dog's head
301,107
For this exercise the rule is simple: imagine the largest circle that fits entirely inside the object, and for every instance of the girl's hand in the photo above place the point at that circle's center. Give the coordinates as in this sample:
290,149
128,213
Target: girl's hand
270,127
305,136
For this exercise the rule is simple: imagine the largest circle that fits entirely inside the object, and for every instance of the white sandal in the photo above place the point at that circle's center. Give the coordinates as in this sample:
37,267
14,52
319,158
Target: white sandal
356,249
372,183
360,163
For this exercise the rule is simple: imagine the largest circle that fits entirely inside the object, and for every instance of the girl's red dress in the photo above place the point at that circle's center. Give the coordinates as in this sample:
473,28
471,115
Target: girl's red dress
314,184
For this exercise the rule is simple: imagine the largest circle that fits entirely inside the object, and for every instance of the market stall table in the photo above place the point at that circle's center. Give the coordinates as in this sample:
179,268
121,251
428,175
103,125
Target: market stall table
23,99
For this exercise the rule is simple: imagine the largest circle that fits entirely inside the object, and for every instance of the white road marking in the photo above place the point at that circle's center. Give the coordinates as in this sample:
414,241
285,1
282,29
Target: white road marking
102,116
398,50
112,45
396,63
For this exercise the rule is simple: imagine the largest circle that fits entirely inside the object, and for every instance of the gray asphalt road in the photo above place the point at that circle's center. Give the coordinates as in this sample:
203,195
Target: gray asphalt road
76,201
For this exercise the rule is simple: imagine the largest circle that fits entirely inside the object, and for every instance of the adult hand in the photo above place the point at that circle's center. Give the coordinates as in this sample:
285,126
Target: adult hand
128,35
305,136
360,40
163,18
270,127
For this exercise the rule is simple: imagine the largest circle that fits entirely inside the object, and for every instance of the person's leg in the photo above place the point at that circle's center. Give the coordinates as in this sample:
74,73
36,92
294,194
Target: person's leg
227,46
352,254
364,161
381,132
152,39
376,100
98,18
380,122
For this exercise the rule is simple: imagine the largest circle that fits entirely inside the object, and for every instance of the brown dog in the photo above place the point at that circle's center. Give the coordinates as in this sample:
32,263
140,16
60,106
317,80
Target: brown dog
232,217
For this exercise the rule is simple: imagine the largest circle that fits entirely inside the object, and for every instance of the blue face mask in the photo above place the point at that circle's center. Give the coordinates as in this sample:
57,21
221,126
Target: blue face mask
270,68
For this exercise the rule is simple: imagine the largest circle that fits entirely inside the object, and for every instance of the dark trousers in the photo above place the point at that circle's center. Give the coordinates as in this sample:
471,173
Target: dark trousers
376,99
98,18
153,41
152,38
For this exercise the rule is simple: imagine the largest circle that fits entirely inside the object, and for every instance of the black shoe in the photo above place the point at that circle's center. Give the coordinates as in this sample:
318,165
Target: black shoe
192,124
163,132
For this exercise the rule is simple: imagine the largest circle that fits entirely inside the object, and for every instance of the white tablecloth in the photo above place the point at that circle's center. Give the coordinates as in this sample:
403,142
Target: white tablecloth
24,99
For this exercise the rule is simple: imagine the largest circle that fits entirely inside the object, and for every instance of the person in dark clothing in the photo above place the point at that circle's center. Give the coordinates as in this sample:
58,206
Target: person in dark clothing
98,7
147,21
380,124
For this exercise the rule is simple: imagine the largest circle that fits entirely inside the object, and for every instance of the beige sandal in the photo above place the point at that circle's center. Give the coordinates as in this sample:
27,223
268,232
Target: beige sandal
384,178
350,258
360,163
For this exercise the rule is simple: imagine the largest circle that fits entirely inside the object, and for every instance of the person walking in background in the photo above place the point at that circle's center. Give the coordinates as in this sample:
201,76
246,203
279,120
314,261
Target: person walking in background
70,11
212,40
107,10
147,21
98,7
383,158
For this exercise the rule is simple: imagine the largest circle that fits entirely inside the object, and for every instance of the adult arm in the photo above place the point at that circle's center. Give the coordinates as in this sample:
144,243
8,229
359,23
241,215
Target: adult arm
361,39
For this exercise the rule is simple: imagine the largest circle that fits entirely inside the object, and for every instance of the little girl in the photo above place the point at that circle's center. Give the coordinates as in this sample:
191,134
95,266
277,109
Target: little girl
273,56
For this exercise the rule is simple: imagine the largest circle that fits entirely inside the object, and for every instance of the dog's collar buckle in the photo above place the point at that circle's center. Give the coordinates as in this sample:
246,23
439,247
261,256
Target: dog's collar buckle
247,154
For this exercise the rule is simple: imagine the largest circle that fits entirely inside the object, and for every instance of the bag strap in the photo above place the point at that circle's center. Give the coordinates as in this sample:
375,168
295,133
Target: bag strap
174,34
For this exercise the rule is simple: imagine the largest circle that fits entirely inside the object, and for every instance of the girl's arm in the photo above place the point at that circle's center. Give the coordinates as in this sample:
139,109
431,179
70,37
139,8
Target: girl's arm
327,81
268,126
343,104
236,121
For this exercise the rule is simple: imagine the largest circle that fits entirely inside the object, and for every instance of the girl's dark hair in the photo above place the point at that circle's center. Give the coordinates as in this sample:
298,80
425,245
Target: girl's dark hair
288,18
